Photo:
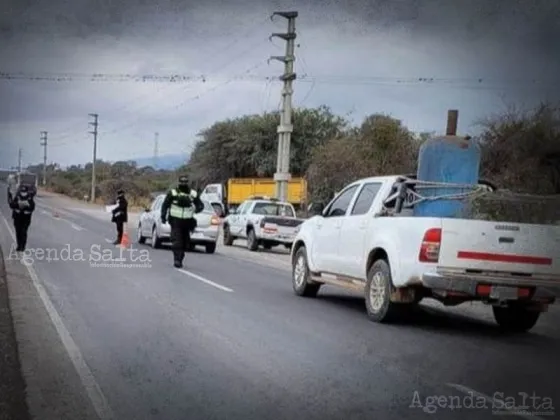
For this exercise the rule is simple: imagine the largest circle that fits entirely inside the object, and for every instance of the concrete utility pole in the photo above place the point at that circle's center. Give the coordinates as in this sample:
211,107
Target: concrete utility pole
285,129
94,132
20,157
156,150
44,135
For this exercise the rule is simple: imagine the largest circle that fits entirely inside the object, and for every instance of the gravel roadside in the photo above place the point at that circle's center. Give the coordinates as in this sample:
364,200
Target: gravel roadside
13,404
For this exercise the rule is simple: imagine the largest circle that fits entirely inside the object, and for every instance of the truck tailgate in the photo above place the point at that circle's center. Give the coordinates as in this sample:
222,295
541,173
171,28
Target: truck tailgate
500,247
284,227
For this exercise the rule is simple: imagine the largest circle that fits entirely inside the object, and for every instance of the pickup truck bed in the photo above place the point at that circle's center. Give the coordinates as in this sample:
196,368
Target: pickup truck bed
396,260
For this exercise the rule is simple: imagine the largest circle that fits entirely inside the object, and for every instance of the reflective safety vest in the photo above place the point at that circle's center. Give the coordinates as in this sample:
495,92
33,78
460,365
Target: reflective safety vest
178,212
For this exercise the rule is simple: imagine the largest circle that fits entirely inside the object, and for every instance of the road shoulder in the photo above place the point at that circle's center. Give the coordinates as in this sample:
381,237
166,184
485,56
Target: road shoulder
53,388
13,405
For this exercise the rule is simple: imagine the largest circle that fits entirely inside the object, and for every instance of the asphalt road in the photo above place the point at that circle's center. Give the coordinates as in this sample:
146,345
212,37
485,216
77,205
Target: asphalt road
227,339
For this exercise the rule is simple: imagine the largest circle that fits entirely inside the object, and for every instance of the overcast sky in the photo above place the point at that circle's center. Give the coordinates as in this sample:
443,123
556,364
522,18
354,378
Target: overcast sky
357,56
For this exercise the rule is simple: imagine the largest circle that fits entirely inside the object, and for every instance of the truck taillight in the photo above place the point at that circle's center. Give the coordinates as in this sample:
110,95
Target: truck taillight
429,250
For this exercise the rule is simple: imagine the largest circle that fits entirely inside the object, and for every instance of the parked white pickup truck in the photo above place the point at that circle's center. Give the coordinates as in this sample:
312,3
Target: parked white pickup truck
367,239
263,222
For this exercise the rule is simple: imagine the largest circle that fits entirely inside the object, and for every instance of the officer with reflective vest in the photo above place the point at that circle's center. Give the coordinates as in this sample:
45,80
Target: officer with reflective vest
179,207
23,206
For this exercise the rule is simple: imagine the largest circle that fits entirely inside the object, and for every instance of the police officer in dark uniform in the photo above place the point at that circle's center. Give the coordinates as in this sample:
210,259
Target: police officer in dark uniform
23,206
120,215
179,207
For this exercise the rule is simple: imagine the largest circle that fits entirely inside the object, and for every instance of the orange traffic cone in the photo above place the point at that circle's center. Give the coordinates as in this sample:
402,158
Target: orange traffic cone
125,243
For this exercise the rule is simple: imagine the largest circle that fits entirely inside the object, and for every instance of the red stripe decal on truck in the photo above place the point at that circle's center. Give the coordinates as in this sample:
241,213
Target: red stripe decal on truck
505,258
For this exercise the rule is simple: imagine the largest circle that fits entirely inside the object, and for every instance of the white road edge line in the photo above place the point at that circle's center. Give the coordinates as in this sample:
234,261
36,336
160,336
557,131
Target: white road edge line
76,227
91,386
108,241
203,280
492,401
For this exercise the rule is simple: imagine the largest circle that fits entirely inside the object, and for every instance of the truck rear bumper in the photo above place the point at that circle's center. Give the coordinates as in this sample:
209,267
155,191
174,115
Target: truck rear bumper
478,286
274,237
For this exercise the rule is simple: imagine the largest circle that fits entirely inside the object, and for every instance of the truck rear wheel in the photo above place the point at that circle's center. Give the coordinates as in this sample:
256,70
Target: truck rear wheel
252,242
301,281
228,238
379,286
515,318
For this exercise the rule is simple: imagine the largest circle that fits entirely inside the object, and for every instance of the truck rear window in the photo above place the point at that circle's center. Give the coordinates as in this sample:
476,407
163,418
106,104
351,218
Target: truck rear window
273,209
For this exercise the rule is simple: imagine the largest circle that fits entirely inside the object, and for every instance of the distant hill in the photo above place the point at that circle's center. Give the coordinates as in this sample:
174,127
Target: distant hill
165,162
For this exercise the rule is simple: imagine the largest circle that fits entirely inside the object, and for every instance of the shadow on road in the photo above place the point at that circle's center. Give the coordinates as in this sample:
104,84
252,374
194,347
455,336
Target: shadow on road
441,320
279,250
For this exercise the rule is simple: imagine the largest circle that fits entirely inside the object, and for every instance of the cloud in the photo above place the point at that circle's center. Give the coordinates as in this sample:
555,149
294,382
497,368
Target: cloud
361,58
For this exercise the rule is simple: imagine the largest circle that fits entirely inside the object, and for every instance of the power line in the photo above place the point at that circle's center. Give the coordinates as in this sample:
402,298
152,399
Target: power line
182,103
217,53
192,98
100,77
332,80
179,78
451,83
243,77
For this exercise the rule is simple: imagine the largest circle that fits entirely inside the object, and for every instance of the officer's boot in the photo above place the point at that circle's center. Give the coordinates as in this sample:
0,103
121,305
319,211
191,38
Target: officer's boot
178,257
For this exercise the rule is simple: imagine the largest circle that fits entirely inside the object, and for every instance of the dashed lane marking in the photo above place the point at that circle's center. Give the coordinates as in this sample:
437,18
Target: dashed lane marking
206,281
72,225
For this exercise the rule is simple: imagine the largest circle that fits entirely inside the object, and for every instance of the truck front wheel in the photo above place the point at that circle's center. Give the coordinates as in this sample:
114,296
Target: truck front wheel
379,286
515,318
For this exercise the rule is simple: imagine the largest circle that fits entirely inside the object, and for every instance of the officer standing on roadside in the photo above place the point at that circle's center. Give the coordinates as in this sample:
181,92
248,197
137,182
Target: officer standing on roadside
181,204
23,206
120,215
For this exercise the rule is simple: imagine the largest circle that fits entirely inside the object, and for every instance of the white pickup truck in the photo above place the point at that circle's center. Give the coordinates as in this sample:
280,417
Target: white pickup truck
368,240
263,222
